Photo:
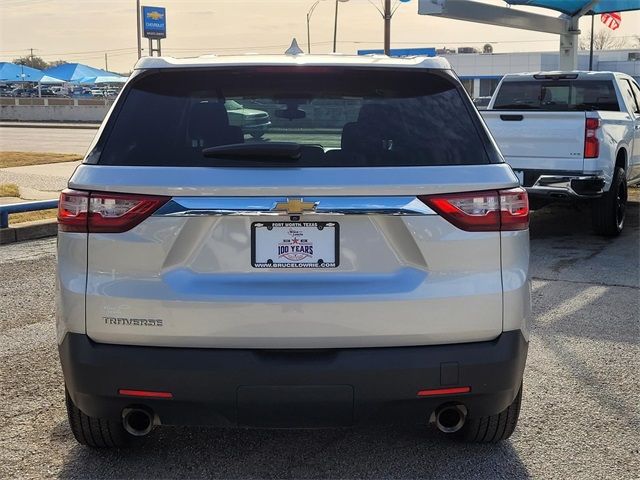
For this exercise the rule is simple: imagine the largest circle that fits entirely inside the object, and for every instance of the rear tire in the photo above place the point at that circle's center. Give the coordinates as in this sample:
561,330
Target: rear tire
493,428
608,212
95,432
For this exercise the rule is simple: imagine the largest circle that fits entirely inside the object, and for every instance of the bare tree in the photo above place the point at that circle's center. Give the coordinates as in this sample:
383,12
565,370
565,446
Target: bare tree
37,62
603,40
487,48
31,61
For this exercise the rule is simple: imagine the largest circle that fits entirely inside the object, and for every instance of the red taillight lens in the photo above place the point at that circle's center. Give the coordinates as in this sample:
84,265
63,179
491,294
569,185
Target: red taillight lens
483,211
104,212
72,211
514,209
474,211
591,142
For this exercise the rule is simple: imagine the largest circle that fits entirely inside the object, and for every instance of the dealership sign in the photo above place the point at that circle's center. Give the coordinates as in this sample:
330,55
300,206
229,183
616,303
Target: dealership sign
154,20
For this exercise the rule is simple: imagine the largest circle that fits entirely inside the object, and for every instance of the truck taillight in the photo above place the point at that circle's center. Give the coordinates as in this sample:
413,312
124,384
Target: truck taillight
489,211
591,142
104,212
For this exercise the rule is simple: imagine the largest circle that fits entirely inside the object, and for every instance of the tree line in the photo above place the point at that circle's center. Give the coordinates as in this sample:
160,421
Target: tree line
37,62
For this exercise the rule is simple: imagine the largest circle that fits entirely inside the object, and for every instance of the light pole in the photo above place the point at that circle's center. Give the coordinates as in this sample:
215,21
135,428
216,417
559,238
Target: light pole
335,26
138,28
309,13
387,15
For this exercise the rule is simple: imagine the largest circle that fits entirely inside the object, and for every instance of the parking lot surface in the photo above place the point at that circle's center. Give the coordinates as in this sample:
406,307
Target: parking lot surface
580,415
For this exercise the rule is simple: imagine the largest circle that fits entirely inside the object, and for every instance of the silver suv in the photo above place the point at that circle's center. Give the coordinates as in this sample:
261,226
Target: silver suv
365,260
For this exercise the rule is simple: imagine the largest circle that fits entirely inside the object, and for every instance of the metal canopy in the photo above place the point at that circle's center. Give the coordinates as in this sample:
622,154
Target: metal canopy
75,72
12,73
565,25
572,7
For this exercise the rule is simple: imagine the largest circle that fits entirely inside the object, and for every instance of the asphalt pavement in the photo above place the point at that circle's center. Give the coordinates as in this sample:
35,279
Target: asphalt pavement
580,413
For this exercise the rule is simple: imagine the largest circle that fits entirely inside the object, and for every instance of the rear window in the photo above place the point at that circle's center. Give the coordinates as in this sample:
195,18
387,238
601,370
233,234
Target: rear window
557,95
338,116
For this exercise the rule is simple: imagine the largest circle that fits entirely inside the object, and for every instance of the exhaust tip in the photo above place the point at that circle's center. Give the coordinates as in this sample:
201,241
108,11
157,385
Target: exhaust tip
137,421
450,418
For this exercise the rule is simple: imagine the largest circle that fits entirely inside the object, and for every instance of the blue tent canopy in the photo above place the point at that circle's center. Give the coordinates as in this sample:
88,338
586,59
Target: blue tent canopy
103,79
77,72
10,72
571,7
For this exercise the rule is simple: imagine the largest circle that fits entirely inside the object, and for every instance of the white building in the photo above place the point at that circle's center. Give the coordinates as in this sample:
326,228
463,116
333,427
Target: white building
481,72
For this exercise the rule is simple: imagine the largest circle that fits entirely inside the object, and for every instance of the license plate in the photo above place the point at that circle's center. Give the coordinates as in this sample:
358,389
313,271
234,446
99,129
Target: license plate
295,244
520,175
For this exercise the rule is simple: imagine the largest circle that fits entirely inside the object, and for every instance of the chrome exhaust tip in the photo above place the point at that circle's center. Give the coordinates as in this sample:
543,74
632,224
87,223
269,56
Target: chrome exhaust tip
137,421
450,418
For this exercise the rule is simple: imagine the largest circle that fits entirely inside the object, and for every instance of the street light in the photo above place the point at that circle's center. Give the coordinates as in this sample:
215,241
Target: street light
309,13
387,14
335,25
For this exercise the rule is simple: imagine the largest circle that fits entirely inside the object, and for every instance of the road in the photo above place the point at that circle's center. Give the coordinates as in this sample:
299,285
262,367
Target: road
57,140
580,415
70,140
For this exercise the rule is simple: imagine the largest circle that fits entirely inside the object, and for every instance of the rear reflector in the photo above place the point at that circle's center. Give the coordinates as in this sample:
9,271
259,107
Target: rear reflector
488,211
104,212
443,391
144,393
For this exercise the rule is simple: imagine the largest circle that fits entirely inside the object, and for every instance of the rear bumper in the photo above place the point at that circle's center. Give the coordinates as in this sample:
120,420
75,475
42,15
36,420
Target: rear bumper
563,185
283,388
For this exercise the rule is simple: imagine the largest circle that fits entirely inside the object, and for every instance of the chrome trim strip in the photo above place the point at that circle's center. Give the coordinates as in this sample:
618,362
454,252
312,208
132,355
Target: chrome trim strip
263,206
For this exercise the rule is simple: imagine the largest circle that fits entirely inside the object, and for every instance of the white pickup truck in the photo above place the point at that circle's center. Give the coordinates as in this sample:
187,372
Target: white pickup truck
572,136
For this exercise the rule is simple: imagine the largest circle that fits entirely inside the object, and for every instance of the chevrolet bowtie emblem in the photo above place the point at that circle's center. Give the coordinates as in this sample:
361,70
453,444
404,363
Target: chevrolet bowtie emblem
295,206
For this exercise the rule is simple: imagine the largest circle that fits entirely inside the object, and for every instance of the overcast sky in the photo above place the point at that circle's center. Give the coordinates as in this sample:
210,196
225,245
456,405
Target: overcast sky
83,30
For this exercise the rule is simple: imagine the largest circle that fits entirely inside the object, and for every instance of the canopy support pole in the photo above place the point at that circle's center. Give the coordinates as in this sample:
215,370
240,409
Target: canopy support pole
569,43
591,45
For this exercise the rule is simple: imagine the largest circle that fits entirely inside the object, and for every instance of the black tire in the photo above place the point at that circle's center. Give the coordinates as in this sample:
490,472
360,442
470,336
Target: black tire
95,432
493,428
608,212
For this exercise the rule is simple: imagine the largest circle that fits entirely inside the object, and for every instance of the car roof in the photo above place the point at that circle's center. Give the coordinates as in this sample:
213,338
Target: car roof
440,63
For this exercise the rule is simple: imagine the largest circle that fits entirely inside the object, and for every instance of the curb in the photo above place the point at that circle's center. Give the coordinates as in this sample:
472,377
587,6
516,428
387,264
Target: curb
29,231
77,126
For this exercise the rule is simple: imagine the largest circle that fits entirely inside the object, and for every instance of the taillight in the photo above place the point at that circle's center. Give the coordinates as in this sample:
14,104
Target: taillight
483,211
72,211
591,142
104,212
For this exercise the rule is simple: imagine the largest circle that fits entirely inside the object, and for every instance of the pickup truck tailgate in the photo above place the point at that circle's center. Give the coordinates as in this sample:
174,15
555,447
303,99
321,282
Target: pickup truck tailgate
539,140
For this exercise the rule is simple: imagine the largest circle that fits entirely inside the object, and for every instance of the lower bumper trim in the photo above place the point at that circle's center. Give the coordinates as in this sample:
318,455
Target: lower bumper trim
293,388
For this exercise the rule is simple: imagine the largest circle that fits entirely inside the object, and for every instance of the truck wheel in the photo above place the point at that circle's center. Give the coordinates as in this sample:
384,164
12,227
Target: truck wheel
95,432
608,212
493,428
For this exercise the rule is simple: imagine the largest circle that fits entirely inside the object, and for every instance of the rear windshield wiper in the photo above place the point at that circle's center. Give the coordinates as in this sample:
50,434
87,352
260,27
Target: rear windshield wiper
267,151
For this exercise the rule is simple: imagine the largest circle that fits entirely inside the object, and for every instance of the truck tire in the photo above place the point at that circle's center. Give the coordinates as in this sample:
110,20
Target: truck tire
95,432
493,428
608,212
